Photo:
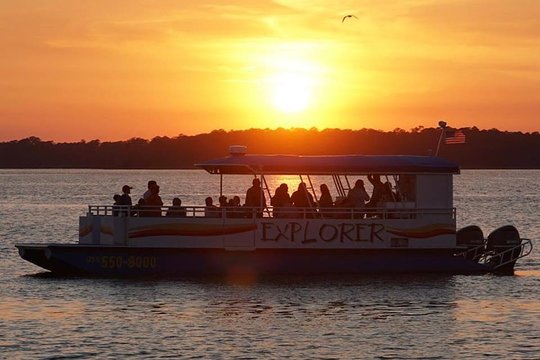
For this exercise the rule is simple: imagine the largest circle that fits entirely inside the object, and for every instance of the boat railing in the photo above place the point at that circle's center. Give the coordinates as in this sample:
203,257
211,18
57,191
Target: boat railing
498,257
270,212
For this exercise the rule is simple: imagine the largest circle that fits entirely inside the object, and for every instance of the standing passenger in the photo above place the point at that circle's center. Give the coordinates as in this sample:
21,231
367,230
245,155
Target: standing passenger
255,197
125,200
151,185
154,201
378,190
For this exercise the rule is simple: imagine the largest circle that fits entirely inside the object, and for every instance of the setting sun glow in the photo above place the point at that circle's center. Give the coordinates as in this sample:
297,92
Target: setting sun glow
291,93
73,70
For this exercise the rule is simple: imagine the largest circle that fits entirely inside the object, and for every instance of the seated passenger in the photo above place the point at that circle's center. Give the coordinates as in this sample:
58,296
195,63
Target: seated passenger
234,209
301,198
325,201
223,204
116,207
357,198
223,201
210,210
280,200
138,209
176,210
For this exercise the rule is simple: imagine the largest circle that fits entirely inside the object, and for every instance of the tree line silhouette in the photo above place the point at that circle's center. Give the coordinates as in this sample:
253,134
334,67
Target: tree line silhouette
483,148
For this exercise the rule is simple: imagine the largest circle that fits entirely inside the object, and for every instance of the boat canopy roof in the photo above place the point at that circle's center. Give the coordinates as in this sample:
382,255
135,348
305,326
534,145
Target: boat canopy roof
328,164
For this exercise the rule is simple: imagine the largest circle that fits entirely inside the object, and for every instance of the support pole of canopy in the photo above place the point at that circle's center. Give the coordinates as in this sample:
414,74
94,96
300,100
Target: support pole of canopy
265,186
313,189
220,185
348,184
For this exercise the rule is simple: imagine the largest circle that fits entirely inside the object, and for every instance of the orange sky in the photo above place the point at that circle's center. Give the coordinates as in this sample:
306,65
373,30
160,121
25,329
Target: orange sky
112,70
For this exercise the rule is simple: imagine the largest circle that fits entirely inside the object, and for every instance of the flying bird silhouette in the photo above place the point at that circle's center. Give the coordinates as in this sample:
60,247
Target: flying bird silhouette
348,16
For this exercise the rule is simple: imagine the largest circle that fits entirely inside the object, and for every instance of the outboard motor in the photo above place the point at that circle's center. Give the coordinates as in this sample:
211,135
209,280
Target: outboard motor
472,239
504,246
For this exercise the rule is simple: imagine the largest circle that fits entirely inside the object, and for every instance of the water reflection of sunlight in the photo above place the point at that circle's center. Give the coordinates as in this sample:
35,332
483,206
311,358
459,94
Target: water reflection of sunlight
528,273
496,310
55,309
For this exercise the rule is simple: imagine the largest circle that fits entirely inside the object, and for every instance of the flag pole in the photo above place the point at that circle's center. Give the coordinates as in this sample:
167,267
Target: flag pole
442,125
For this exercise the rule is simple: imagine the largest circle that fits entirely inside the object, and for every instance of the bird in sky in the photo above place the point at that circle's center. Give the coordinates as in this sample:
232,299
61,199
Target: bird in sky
348,16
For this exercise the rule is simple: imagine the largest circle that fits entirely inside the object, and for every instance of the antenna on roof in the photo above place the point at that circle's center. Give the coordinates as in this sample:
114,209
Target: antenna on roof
442,125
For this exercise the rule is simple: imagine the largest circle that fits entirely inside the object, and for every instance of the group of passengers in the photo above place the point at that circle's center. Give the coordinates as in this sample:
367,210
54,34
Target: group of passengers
228,208
300,203
357,199
149,205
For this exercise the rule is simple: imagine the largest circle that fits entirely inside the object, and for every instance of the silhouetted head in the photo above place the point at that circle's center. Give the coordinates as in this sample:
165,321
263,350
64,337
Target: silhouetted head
359,183
152,183
176,201
377,178
222,200
208,201
324,189
236,200
126,189
256,182
302,186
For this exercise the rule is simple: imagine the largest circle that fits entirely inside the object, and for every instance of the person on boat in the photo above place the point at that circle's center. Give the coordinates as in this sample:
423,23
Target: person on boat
255,197
388,194
211,210
116,207
280,200
152,184
234,208
301,198
325,201
125,198
153,202
138,209
357,198
223,205
378,190
176,210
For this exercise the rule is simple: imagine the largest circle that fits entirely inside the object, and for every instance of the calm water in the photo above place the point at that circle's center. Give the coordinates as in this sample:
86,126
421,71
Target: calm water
424,316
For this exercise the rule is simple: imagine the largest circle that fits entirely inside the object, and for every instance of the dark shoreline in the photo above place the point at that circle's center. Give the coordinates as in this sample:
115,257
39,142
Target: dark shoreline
483,149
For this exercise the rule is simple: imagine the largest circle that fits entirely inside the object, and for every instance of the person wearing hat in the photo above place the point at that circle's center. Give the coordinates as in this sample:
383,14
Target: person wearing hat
125,199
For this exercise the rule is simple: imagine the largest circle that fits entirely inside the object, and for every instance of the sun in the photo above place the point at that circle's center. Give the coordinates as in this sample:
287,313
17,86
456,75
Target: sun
291,92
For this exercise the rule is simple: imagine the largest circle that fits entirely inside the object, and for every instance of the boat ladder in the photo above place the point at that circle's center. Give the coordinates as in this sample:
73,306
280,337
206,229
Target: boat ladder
497,259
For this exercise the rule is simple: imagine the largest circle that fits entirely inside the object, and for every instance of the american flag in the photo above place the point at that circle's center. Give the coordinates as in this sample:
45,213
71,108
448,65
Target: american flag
454,137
